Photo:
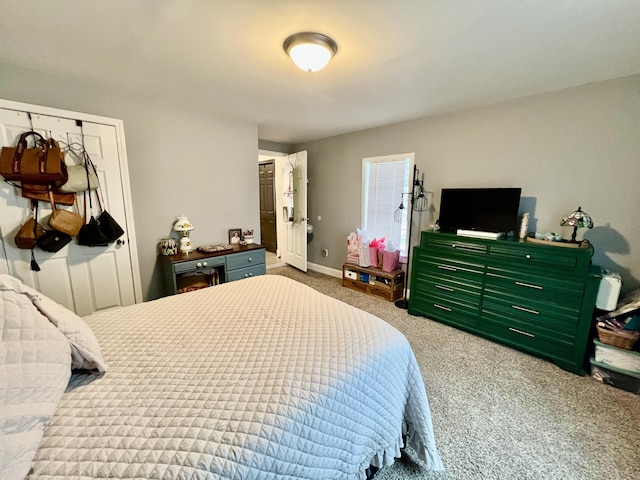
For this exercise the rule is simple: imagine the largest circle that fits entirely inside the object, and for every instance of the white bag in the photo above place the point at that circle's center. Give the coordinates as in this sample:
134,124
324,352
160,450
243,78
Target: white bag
364,253
77,181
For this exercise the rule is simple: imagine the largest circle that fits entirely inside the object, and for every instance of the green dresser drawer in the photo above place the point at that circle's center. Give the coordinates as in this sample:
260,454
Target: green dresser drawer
555,260
446,286
538,287
456,310
437,266
548,343
451,245
535,313
245,259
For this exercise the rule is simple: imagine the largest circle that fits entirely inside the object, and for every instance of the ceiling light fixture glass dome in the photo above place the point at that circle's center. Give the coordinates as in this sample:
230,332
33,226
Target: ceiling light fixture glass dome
310,51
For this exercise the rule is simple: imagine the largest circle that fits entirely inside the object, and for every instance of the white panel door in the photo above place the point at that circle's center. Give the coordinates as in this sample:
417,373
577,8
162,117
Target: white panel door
83,279
294,244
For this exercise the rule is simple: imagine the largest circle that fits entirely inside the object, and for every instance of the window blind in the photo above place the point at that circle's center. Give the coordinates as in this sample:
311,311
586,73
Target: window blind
385,183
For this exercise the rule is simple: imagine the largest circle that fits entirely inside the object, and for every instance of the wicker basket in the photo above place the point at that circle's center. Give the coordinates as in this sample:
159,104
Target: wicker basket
616,339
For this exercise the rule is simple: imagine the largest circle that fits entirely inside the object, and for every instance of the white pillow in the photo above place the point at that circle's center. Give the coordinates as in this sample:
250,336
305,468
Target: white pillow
85,349
34,372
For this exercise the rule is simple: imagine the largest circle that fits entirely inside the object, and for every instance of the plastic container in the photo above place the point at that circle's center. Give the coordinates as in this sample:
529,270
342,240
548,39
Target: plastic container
616,357
524,225
622,379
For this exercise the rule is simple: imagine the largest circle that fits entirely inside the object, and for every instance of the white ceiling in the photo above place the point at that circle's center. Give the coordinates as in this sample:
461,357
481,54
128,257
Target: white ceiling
397,59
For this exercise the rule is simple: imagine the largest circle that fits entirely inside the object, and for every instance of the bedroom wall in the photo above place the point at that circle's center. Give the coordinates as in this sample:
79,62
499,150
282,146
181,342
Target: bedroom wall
180,161
579,146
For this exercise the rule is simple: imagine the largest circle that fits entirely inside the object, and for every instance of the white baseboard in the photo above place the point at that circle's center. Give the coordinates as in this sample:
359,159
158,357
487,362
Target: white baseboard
326,270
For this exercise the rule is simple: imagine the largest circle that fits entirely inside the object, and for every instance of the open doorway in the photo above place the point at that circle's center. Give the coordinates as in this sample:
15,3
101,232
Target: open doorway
283,195
268,221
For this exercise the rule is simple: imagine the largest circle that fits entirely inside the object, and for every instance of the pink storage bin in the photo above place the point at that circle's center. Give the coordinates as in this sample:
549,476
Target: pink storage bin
391,261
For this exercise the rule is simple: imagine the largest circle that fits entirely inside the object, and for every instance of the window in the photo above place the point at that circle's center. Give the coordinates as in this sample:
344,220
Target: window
385,184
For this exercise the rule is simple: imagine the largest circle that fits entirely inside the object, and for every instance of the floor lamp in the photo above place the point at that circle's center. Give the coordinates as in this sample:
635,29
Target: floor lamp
418,203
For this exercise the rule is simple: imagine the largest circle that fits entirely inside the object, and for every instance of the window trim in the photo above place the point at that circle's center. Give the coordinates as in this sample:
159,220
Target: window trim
406,199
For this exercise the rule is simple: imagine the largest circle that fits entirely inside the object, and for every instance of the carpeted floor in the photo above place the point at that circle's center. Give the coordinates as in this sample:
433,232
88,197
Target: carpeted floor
502,414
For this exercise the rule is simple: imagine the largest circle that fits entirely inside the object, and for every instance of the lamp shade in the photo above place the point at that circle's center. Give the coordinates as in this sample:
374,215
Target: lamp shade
310,51
183,225
577,219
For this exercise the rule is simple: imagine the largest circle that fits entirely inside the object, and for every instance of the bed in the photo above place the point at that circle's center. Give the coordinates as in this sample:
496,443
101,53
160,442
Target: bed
263,378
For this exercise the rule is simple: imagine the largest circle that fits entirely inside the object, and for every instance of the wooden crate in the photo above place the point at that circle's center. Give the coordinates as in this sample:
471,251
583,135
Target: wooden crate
374,281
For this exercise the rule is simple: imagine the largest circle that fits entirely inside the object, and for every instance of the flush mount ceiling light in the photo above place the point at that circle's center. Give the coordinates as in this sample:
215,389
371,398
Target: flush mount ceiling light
310,51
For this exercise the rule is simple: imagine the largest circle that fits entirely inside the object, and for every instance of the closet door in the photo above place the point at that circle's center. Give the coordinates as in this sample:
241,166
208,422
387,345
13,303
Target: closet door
83,279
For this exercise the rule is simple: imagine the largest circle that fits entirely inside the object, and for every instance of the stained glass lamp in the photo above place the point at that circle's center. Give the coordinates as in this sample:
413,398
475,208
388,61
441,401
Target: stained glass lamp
577,219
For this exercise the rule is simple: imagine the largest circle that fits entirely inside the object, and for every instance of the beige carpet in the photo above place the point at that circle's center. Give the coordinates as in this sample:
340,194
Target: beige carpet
501,414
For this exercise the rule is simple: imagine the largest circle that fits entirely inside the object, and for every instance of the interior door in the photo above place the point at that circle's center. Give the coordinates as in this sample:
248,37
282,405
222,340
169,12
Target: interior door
294,181
83,279
267,205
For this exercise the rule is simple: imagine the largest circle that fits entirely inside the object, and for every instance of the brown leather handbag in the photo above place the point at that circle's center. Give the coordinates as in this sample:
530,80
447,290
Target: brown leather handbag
64,221
41,164
34,191
30,231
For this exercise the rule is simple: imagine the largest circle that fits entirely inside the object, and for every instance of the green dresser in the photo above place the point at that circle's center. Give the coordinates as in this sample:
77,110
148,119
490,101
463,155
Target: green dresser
537,298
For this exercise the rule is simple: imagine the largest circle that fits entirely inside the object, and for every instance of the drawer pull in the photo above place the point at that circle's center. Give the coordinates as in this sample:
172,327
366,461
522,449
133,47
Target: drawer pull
442,287
204,264
249,259
529,285
527,256
528,310
522,333
442,307
447,267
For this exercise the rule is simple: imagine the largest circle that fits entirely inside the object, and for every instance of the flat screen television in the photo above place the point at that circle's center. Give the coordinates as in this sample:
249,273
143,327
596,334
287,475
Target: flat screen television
482,209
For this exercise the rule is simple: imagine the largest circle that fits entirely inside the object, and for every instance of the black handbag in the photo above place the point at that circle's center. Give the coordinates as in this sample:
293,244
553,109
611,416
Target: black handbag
108,225
91,234
110,228
53,241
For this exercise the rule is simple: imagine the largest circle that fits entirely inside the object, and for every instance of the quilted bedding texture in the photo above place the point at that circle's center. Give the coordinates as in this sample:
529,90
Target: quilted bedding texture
264,378
35,365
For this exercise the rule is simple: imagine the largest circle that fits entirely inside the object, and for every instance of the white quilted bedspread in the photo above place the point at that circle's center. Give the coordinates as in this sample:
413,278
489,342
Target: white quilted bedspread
264,378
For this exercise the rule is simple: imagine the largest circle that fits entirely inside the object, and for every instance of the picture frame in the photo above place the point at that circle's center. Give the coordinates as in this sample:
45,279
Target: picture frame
235,236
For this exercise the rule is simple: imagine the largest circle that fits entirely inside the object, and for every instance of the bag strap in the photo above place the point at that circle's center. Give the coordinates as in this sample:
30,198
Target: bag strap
51,200
22,146
34,207
34,213
88,163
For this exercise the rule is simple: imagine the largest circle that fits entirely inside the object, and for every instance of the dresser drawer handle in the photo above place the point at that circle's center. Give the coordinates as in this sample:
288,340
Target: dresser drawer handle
529,285
249,259
522,333
442,287
442,307
527,256
447,267
528,310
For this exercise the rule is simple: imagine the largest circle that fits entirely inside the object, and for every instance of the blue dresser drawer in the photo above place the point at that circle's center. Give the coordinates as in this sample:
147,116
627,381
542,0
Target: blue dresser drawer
245,259
252,271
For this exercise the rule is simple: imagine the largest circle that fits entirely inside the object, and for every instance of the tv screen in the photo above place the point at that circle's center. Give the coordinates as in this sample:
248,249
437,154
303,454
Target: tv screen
481,209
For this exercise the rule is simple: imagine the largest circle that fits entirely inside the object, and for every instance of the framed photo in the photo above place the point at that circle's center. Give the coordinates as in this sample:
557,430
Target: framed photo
235,235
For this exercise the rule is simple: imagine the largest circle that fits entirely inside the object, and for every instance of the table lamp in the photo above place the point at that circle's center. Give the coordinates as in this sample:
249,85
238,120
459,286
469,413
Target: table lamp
184,226
577,219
